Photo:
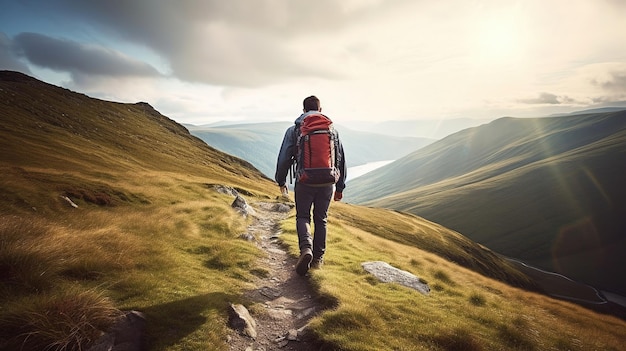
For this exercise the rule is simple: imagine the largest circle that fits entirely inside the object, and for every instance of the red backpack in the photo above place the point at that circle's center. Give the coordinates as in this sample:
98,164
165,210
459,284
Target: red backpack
316,156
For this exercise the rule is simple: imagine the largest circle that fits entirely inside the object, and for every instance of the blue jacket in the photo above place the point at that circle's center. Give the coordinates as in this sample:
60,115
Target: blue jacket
288,152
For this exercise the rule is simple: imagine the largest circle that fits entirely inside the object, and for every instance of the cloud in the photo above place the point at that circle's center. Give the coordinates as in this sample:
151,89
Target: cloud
543,98
614,82
8,59
235,42
404,58
78,59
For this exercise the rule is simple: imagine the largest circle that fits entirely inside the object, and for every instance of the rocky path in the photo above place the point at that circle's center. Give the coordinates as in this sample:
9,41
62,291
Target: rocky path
287,300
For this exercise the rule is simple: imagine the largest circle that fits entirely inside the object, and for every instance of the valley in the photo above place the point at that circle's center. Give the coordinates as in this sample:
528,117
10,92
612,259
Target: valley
259,143
547,191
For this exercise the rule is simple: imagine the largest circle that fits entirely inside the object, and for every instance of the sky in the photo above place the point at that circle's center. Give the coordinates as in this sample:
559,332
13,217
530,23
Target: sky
202,61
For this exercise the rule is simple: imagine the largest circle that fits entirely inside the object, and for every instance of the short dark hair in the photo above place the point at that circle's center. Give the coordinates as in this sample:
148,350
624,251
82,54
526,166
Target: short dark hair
312,103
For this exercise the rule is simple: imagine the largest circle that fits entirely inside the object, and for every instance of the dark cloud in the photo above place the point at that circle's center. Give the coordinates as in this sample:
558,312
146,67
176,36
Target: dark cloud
235,42
543,98
77,58
616,82
8,59
618,5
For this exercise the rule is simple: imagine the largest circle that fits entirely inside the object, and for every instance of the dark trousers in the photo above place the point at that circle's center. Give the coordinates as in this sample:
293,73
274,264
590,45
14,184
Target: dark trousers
318,198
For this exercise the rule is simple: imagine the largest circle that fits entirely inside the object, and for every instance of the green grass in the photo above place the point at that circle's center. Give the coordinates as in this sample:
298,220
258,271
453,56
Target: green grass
179,264
433,238
464,310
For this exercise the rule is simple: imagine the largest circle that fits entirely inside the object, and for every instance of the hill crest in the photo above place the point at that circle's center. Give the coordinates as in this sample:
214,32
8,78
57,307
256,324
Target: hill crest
51,134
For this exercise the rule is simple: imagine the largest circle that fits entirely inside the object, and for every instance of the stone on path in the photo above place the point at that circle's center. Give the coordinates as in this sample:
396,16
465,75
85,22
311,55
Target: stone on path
240,320
241,205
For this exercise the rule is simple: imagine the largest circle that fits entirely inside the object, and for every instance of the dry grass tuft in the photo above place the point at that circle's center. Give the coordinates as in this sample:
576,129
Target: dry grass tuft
27,263
66,320
457,340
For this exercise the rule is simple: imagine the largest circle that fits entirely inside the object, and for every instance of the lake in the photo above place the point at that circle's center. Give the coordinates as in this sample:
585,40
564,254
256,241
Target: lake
357,171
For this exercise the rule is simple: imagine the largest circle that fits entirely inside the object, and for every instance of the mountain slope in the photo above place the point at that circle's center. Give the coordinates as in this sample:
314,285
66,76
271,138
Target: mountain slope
146,229
549,191
259,143
46,127
150,233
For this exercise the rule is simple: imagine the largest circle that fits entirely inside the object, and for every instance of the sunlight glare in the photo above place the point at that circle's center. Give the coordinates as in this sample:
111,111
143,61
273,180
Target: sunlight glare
500,38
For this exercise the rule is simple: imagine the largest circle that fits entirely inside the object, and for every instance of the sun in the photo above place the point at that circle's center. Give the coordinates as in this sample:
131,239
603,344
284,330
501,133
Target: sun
500,38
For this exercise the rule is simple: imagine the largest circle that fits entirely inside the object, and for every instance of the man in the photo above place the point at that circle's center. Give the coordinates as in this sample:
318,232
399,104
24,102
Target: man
309,196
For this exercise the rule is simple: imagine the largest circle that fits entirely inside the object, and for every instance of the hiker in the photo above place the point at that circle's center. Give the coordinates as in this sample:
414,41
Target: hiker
314,183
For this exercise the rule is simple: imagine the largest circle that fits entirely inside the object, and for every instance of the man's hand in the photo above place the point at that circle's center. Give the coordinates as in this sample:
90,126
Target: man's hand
284,191
338,195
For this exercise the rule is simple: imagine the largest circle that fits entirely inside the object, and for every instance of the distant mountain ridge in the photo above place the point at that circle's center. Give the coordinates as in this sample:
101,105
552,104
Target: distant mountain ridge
592,110
550,191
424,128
259,143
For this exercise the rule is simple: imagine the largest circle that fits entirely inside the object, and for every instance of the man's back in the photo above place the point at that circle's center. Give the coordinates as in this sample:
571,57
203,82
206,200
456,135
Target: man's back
314,144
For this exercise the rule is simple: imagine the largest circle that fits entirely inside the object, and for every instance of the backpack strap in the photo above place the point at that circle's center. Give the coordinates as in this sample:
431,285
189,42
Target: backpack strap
294,161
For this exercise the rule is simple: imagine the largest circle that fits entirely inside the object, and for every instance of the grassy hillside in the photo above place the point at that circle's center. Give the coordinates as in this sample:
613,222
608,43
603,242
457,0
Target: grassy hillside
259,143
54,139
549,191
151,234
464,310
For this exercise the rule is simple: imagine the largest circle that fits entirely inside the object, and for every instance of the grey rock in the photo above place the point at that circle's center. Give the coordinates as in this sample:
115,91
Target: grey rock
126,335
283,208
306,334
247,237
306,312
283,343
270,292
226,190
241,205
279,314
292,335
389,274
240,319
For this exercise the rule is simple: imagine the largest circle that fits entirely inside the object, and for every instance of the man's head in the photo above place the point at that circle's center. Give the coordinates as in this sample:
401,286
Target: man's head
311,103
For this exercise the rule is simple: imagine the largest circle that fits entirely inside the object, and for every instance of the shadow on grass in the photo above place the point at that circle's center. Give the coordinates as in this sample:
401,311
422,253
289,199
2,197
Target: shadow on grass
169,323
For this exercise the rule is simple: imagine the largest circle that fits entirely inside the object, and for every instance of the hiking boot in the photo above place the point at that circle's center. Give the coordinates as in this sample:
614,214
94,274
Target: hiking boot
317,263
304,263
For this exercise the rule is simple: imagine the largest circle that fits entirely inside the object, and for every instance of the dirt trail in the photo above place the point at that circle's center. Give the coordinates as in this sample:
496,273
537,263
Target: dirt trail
287,299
